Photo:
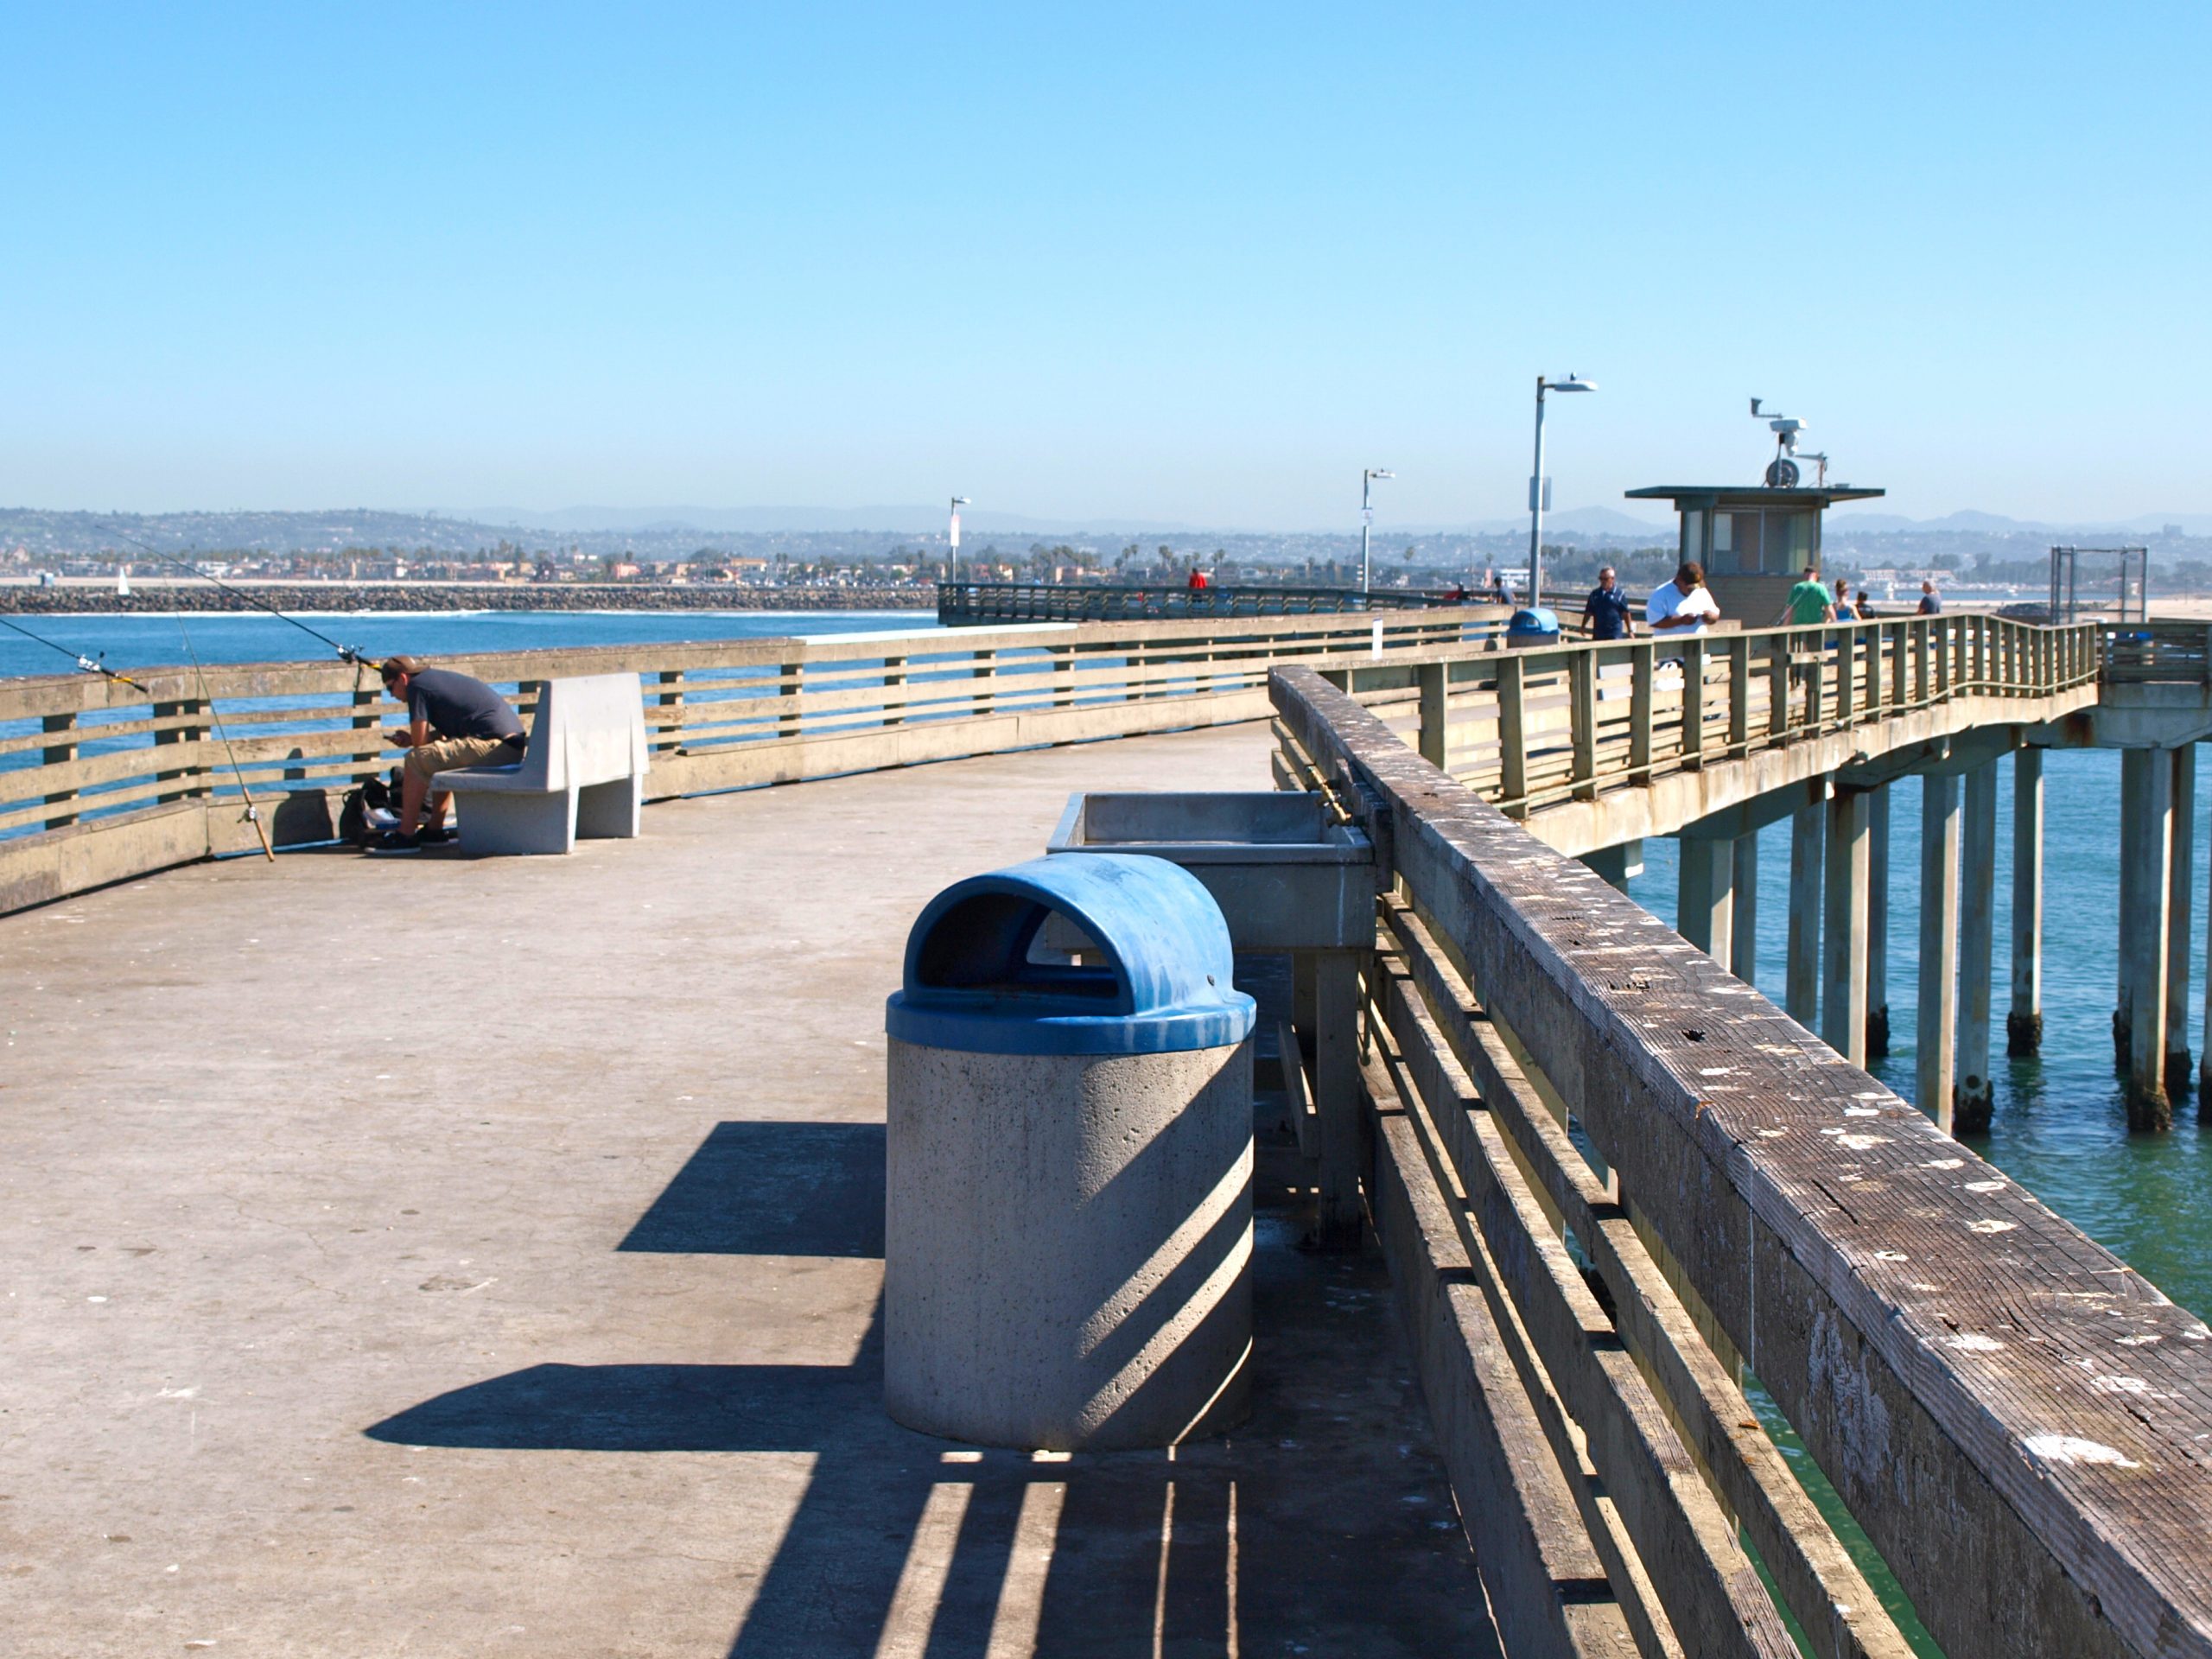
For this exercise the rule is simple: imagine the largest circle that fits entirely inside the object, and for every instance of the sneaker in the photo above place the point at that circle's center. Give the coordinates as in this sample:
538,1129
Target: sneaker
437,835
392,842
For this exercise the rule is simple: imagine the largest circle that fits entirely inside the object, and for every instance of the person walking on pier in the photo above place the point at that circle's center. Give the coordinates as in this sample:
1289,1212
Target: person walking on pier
1605,613
1683,606
1808,602
452,721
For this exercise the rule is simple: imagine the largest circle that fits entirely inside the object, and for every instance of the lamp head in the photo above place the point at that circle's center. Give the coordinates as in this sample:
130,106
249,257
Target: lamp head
1574,383
1380,471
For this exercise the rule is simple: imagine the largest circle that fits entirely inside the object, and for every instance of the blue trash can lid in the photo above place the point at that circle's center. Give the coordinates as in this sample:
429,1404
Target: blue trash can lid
1163,984
1540,619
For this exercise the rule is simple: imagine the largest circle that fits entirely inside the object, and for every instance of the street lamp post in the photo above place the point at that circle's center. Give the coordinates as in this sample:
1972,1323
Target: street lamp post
1536,485
1367,477
952,540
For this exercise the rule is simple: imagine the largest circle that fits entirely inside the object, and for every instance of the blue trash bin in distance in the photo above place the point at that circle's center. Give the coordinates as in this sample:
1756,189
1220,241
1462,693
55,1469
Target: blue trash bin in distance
1531,627
1068,1220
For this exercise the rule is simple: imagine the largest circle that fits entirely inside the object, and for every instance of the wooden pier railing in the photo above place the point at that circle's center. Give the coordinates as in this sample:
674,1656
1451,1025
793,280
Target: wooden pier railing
963,603
2144,653
98,782
1639,1218
1531,728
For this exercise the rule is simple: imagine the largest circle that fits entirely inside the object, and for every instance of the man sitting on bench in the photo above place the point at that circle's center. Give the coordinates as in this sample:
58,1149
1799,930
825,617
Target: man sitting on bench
453,721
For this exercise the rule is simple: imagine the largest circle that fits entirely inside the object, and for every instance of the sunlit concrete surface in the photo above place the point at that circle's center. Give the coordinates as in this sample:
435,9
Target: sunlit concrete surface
429,1257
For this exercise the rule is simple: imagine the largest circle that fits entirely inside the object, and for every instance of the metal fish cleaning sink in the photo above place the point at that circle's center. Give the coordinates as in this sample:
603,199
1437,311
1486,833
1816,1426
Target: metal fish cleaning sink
1285,876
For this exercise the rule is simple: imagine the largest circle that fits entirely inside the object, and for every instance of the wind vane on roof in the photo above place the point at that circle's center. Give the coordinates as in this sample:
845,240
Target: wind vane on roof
1781,472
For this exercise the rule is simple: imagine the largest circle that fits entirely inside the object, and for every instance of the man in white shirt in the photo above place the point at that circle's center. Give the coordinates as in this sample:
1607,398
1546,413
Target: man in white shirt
1682,607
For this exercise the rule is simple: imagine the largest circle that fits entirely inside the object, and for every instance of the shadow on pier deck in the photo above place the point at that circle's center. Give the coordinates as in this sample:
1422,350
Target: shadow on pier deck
460,1258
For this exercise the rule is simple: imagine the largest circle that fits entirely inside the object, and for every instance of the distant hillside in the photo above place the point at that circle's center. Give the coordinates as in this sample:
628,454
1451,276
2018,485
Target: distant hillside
38,537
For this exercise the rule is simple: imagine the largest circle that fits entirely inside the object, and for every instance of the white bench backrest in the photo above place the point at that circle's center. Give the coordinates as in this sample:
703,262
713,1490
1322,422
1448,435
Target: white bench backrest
590,729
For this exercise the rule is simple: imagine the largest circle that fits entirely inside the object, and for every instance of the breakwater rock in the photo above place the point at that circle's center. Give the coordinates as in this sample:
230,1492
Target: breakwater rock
27,600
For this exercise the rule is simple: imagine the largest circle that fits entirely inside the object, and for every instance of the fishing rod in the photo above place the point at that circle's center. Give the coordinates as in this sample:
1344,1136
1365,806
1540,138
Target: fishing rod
252,812
352,654
89,665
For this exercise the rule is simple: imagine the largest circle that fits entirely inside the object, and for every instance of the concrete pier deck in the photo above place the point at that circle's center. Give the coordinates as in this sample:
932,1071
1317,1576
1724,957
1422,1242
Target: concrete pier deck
435,1257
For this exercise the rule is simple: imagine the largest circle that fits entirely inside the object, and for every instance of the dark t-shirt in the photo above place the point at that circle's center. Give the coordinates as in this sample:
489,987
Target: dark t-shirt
1931,604
457,706
1607,609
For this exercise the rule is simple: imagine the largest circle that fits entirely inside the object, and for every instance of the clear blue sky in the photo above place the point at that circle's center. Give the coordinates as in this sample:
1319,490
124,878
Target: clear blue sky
1159,263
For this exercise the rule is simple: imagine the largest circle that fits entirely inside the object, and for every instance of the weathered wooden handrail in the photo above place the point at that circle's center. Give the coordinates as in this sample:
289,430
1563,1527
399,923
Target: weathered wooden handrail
2015,1417
1538,728
964,602
79,755
2150,652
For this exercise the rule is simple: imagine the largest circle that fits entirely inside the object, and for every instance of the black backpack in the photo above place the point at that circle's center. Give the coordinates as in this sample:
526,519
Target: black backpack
353,826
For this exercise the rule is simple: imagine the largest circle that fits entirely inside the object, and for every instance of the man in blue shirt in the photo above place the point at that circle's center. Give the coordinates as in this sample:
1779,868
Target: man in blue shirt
452,721
1605,612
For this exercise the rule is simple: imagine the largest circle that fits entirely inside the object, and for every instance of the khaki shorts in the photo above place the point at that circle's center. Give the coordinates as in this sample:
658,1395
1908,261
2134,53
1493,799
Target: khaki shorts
446,754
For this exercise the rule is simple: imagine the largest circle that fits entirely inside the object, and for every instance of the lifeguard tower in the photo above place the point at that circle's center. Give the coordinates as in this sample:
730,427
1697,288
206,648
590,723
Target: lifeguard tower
1755,540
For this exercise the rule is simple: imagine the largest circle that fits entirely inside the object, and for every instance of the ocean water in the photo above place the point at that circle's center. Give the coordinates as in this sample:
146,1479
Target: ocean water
2060,1127
228,637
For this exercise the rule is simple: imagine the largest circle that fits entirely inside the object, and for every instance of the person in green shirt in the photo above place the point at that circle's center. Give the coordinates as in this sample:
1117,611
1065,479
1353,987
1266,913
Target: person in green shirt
1809,601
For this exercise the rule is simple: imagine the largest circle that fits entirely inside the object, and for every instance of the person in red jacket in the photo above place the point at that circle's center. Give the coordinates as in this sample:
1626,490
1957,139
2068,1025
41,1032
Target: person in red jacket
1198,582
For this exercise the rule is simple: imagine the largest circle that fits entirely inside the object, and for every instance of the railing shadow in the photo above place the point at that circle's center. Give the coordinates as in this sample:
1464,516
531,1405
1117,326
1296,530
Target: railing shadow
903,1544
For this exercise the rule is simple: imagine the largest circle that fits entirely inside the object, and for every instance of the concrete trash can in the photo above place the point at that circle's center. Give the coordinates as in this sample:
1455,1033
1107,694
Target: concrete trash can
1068,1226
1535,626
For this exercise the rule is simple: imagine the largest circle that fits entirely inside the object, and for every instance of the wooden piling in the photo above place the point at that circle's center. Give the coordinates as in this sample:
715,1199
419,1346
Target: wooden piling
1744,945
2023,1022
1843,994
2179,892
2147,825
1706,889
1878,922
1802,994
1939,945
1974,1094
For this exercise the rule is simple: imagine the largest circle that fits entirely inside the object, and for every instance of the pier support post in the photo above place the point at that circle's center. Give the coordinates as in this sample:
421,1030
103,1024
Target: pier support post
1843,953
1803,994
2179,908
1704,911
1878,922
1617,864
1744,945
2146,784
2023,1023
1976,1092
1939,946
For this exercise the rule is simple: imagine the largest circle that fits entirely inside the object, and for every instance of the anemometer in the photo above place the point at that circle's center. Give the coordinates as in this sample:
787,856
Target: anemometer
1782,472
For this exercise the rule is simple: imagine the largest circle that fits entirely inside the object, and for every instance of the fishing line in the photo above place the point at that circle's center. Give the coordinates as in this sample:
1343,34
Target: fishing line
252,812
346,653
89,665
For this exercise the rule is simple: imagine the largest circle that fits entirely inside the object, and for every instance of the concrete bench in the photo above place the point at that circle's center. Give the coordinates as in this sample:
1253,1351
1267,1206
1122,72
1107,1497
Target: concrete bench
583,773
